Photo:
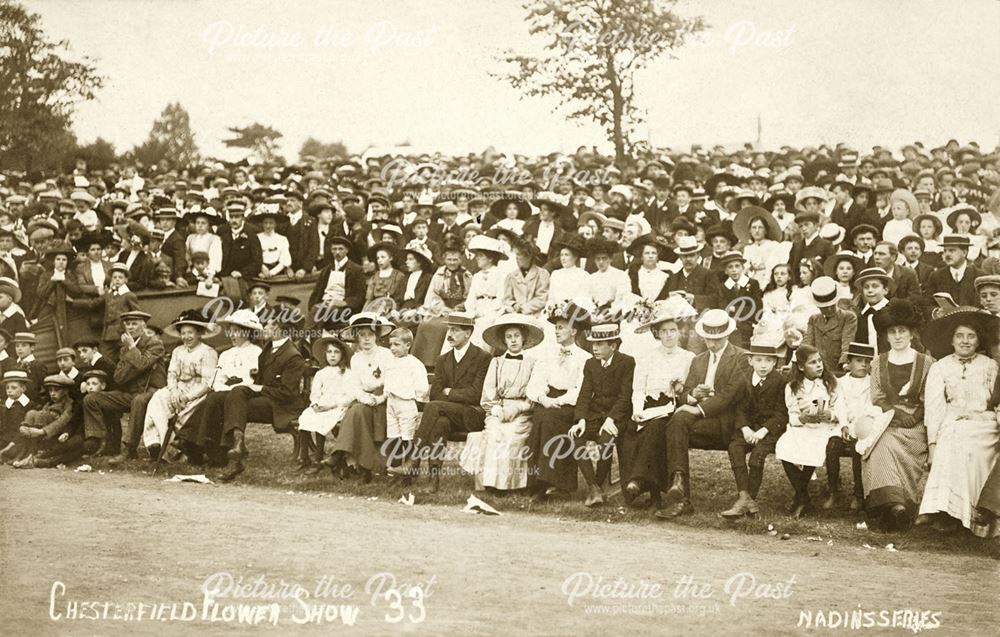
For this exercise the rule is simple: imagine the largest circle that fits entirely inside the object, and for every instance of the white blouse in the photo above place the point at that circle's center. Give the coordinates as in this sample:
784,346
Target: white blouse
275,252
568,283
236,362
656,369
208,242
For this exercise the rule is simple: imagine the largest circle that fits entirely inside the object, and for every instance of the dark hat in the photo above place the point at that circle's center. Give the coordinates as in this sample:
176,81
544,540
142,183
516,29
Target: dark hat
939,227
257,283
599,245
95,373
746,216
683,223
732,255
803,215
720,230
872,273
650,239
937,335
319,346
831,263
897,312
973,214
341,240
956,241
86,342
860,350
571,241
864,227
578,317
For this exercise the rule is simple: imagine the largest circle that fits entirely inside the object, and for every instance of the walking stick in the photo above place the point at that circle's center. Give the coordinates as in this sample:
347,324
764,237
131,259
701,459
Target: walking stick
166,443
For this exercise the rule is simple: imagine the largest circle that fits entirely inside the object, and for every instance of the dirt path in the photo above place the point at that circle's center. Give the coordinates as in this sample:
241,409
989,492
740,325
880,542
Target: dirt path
120,538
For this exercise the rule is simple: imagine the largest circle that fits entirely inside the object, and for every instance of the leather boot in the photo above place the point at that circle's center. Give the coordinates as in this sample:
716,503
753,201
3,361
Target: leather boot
126,454
675,494
740,508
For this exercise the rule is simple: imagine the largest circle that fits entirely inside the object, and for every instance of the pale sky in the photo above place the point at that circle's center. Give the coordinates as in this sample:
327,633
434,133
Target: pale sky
380,73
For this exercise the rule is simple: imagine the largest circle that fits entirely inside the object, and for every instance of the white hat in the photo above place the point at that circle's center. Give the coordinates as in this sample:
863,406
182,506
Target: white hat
715,324
483,243
242,318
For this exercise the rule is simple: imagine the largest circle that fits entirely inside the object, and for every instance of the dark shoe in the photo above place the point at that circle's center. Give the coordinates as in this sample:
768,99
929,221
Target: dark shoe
944,523
93,447
594,496
312,469
675,494
739,509
832,501
302,465
803,509
631,491
239,449
365,474
899,518
923,520
154,451
126,454
672,511
230,475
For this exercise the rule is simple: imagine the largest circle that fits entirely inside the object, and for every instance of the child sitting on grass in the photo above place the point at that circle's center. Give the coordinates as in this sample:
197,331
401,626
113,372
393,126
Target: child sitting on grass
12,412
44,427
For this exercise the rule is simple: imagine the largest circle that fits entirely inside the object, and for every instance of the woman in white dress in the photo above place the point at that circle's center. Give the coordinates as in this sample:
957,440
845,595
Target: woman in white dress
963,434
363,426
332,391
276,257
811,398
189,378
485,298
202,239
759,232
569,282
499,458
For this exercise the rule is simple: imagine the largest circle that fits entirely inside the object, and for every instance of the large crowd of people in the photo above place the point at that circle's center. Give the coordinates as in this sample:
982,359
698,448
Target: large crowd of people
552,314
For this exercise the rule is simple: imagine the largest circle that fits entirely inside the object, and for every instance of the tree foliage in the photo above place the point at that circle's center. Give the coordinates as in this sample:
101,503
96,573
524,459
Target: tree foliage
170,140
41,88
262,141
312,147
593,50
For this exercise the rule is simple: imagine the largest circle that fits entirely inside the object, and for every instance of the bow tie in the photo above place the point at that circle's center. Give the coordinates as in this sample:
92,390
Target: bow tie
515,357
565,351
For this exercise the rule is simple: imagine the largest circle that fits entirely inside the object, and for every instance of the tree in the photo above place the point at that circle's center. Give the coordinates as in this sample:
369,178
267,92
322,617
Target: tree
261,140
99,154
312,147
169,140
41,89
593,50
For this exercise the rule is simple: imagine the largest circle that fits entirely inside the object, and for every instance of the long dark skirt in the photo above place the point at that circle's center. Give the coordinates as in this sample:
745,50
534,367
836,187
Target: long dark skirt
549,442
361,434
644,453
894,473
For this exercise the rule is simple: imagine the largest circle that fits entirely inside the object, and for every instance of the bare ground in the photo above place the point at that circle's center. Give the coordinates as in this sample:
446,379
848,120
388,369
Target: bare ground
121,537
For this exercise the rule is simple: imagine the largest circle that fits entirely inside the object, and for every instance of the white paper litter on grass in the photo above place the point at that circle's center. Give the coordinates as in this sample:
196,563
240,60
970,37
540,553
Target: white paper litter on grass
199,478
407,499
861,526
84,468
475,505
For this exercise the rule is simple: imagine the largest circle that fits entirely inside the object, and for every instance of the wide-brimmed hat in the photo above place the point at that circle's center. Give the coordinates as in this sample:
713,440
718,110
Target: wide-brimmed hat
784,196
367,320
974,215
907,197
388,246
557,202
9,287
830,265
720,230
493,335
599,245
571,241
60,247
588,215
319,349
420,250
938,226
674,308
193,318
938,333
650,239
897,312
824,291
500,204
604,332
746,216
955,241
208,213
811,192
715,324
873,272
243,318
578,317
482,243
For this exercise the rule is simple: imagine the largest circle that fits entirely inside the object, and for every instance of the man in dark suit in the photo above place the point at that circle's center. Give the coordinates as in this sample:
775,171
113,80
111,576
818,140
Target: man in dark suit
811,245
309,239
89,358
912,249
905,283
140,371
173,242
957,276
241,253
455,398
705,419
12,319
274,397
603,407
339,292
761,416
697,284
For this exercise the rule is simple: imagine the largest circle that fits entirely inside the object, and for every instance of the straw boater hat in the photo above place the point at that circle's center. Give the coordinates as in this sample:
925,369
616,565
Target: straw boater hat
604,332
14,375
193,318
673,308
746,216
687,245
824,291
493,335
763,346
715,324
10,288
370,320
833,233
489,245
938,333
873,273
589,215
319,349
243,318
461,319
25,337
860,350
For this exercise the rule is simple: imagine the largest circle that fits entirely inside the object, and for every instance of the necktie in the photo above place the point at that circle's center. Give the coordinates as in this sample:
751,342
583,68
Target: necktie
515,357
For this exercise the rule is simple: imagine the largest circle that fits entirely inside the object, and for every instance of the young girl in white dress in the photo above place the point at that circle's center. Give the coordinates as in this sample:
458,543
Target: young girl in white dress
333,390
811,398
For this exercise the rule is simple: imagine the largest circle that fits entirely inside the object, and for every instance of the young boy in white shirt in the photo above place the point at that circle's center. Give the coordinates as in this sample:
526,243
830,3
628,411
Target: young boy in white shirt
855,401
405,384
